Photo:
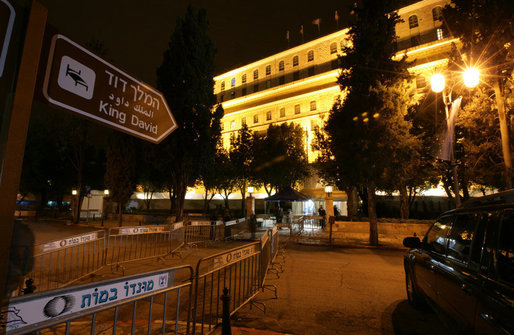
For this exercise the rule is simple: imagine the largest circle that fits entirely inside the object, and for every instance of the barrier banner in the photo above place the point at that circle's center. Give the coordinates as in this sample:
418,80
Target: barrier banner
141,230
234,256
68,242
55,304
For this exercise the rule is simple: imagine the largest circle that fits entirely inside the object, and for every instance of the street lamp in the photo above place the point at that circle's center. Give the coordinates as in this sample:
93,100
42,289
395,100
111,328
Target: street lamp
471,77
250,190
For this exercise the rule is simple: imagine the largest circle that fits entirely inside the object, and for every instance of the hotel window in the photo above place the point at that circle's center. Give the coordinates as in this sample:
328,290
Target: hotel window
243,79
256,88
333,48
310,56
296,75
295,61
268,70
413,21
268,83
420,82
281,80
222,86
256,118
243,91
233,124
437,13
243,121
281,65
440,34
256,74
313,105
282,112
233,82
310,70
268,116
297,109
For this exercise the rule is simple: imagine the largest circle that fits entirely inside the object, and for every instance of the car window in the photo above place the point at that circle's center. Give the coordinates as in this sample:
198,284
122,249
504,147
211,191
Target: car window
435,238
461,236
505,251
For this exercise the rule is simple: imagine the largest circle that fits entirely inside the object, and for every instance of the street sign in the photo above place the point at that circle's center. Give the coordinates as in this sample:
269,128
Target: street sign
77,80
7,15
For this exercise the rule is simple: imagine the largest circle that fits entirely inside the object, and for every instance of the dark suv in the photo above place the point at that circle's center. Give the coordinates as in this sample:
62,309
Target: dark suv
464,267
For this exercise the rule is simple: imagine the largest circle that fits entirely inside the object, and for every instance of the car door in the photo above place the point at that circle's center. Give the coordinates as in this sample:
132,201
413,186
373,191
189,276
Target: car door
456,283
430,255
495,309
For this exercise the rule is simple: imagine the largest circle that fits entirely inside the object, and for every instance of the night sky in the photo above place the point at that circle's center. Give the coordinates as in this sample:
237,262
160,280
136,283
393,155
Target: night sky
136,33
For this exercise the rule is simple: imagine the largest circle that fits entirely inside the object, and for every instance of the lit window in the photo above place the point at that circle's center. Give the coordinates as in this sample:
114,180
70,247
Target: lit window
313,105
233,82
243,79
310,55
440,34
333,48
268,116
256,118
282,112
232,124
256,74
420,82
413,21
295,61
437,13
222,86
268,70
281,65
243,121
297,109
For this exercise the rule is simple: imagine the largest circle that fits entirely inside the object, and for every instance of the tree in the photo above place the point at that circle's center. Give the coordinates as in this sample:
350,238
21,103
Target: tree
358,129
120,170
226,178
485,28
280,160
185,77
241,158
150,175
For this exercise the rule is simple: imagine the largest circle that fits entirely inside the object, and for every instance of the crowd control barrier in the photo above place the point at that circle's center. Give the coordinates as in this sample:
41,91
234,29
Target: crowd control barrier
236,228
157,302
202,231
141,242
239,270
61,262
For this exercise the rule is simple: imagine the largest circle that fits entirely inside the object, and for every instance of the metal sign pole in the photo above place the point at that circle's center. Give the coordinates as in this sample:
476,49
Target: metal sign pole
17,131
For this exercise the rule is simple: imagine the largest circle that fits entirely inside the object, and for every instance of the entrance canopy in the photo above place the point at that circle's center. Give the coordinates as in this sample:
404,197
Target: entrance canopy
287,194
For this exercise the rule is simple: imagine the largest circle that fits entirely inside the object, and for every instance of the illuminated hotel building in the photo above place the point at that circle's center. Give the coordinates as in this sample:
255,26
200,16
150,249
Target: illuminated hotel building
300,84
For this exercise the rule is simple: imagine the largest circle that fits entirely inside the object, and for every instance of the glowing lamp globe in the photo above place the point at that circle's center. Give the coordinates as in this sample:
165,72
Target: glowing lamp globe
437,82
471,77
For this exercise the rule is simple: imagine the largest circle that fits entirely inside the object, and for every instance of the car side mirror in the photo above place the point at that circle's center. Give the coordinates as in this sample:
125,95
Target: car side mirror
412,242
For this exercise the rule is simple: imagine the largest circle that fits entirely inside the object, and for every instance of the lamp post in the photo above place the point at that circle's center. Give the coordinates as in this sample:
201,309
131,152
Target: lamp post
74,204
329,209
106,195
471,77
250,202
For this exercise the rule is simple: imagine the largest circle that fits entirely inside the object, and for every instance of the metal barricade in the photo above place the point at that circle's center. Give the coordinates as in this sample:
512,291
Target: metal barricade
203,231
239,270
61,262
274,243
238,228
141,242
150,303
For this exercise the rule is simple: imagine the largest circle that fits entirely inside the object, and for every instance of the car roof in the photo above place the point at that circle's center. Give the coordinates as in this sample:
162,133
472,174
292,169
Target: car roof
496,201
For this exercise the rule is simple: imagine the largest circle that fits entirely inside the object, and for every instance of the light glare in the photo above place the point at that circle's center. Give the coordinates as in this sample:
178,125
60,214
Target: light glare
437,82
471,77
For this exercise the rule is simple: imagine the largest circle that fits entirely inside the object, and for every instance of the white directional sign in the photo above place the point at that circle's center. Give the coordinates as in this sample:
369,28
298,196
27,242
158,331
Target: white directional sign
77,80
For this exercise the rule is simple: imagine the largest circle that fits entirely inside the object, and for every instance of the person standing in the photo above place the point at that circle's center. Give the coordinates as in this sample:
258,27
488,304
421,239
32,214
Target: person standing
323,214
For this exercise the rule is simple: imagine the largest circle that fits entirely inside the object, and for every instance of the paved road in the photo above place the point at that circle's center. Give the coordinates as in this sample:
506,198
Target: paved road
340,291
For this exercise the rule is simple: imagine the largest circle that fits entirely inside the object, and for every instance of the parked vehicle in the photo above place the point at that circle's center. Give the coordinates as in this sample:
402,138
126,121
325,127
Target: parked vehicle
464,266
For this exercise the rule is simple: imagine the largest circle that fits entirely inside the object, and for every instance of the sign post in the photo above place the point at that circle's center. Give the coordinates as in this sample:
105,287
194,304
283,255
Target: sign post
79,81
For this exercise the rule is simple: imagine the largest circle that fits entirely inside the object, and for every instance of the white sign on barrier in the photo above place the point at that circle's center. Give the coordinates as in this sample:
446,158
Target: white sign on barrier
69,242
141,230
177,225
234,256
59,304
